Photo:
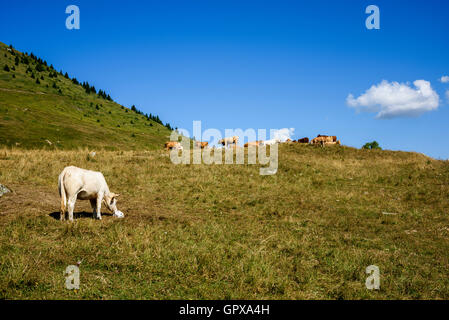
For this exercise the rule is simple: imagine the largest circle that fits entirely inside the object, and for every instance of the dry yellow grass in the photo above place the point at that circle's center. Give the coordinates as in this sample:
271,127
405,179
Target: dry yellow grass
224,231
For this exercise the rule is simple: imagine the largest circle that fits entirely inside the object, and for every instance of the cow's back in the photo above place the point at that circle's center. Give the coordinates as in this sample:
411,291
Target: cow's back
88,182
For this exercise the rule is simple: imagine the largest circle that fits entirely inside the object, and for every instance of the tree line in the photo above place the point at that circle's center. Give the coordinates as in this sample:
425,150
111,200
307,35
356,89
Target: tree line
155,118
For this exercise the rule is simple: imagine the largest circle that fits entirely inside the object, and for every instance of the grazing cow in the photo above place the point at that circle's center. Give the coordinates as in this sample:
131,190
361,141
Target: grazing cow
172,145
303,140
201,145
252,143
227,141
76,183
270,142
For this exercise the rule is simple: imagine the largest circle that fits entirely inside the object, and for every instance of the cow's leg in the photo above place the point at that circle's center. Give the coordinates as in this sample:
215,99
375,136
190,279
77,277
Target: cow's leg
63,204
99,200
71,206
62,212
93,203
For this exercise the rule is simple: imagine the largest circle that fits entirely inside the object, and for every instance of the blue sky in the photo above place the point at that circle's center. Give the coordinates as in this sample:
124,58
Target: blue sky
252,64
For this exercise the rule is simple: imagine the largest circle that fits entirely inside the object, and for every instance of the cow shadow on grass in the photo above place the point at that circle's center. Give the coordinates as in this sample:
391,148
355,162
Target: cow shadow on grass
76,215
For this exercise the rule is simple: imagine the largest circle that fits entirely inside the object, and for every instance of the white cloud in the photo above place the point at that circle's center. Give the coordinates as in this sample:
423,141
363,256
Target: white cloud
283,134
390,100
444,79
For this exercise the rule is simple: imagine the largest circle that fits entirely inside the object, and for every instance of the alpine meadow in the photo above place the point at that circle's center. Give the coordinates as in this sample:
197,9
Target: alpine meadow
211,231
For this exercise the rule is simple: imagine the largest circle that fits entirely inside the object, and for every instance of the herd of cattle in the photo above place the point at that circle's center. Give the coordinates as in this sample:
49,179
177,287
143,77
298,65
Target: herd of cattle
320,139
80,184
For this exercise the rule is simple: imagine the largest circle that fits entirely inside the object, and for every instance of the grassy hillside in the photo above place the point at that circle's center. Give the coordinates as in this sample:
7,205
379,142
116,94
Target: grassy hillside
224,231
56,113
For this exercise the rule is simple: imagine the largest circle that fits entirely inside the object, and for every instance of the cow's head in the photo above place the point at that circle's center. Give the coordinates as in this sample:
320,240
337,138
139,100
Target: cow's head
111,201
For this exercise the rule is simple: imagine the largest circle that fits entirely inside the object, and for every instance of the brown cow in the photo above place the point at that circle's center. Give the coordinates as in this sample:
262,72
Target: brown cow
318,140
334,138
252,143
303,140
325,140
172,144
201,145
333,142
322,139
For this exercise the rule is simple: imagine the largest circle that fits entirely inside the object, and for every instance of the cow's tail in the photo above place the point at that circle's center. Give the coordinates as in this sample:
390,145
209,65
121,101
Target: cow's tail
62,194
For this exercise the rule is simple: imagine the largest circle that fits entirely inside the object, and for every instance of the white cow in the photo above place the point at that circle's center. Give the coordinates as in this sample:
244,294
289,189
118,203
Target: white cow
270,142
76,183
